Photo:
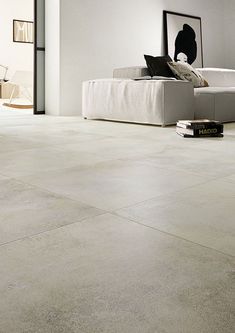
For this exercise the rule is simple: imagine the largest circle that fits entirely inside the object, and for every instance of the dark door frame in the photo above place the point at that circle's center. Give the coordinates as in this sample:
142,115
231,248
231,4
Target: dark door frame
36,49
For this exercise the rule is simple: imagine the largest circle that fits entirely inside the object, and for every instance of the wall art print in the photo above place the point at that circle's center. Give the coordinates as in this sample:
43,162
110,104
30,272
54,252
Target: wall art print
183,38
22,31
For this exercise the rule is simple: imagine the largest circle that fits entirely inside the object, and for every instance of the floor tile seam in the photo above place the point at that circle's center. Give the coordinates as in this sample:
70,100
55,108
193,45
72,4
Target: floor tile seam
175,169
85,203
173,235
52,229
201,147
67,196
37,141
108,160
55,145
165,168
178,169
162,195
223,178
80,142
63,145
62,196
60,146
3,175
3,154
81,167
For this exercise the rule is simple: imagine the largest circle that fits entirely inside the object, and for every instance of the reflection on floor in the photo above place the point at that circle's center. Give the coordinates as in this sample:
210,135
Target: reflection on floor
110,227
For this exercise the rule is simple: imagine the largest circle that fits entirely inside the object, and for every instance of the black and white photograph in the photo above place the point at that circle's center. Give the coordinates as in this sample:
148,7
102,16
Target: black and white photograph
183,38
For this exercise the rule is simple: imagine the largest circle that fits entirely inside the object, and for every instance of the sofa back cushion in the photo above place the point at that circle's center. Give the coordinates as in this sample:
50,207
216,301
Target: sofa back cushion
218,77
130,72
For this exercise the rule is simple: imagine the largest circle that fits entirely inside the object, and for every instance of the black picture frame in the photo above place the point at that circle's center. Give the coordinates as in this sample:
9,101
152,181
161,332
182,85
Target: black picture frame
16,39
174,31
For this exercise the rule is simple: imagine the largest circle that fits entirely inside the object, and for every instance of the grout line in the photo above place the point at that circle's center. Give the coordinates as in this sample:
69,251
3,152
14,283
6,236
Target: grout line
61,146
173,235
66,196
55,194
123,218
52,229
104,212
170,194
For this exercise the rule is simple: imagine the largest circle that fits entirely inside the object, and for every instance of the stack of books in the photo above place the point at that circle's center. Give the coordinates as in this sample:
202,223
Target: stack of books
199,128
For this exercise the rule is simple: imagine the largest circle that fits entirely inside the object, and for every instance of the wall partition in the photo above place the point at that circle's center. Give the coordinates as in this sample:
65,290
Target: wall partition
39,56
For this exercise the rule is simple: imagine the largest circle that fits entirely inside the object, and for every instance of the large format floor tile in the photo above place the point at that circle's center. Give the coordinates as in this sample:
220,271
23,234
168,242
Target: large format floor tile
109,275
42,136
18,164
116,184
26,210
221,145
164,265
119,148
203,214
13,144
196,160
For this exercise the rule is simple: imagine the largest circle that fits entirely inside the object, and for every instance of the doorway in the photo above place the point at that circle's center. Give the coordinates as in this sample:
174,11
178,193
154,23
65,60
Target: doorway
22,57
16,56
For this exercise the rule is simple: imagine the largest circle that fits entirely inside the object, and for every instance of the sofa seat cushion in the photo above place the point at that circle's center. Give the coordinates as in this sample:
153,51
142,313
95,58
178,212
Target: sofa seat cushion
214,90
160,102
215,103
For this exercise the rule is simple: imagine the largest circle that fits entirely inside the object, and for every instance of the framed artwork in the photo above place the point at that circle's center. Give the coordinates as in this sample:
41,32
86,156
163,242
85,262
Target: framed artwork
183,38
22,31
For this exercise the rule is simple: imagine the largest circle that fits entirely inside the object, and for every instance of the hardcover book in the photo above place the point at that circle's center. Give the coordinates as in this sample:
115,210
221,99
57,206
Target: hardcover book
198,124
212,129
219,135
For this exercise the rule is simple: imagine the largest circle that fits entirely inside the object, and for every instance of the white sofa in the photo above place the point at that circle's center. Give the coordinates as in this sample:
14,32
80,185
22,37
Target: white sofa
218,100
160,102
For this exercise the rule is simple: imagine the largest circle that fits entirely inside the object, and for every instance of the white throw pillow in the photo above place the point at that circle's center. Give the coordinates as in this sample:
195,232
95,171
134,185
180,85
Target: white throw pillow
184,71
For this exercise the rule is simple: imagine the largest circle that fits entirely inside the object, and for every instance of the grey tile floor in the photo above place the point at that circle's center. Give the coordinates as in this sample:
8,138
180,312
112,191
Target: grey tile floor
110,227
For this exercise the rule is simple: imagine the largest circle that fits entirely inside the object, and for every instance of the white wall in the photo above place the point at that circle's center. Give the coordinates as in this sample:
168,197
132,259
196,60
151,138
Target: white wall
229,50
18,56
99,35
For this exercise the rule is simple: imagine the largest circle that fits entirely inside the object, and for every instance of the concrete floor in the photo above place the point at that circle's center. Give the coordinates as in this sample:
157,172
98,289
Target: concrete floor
115,228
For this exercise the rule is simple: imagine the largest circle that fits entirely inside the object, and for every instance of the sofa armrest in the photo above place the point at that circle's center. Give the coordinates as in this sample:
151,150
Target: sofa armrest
219,77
